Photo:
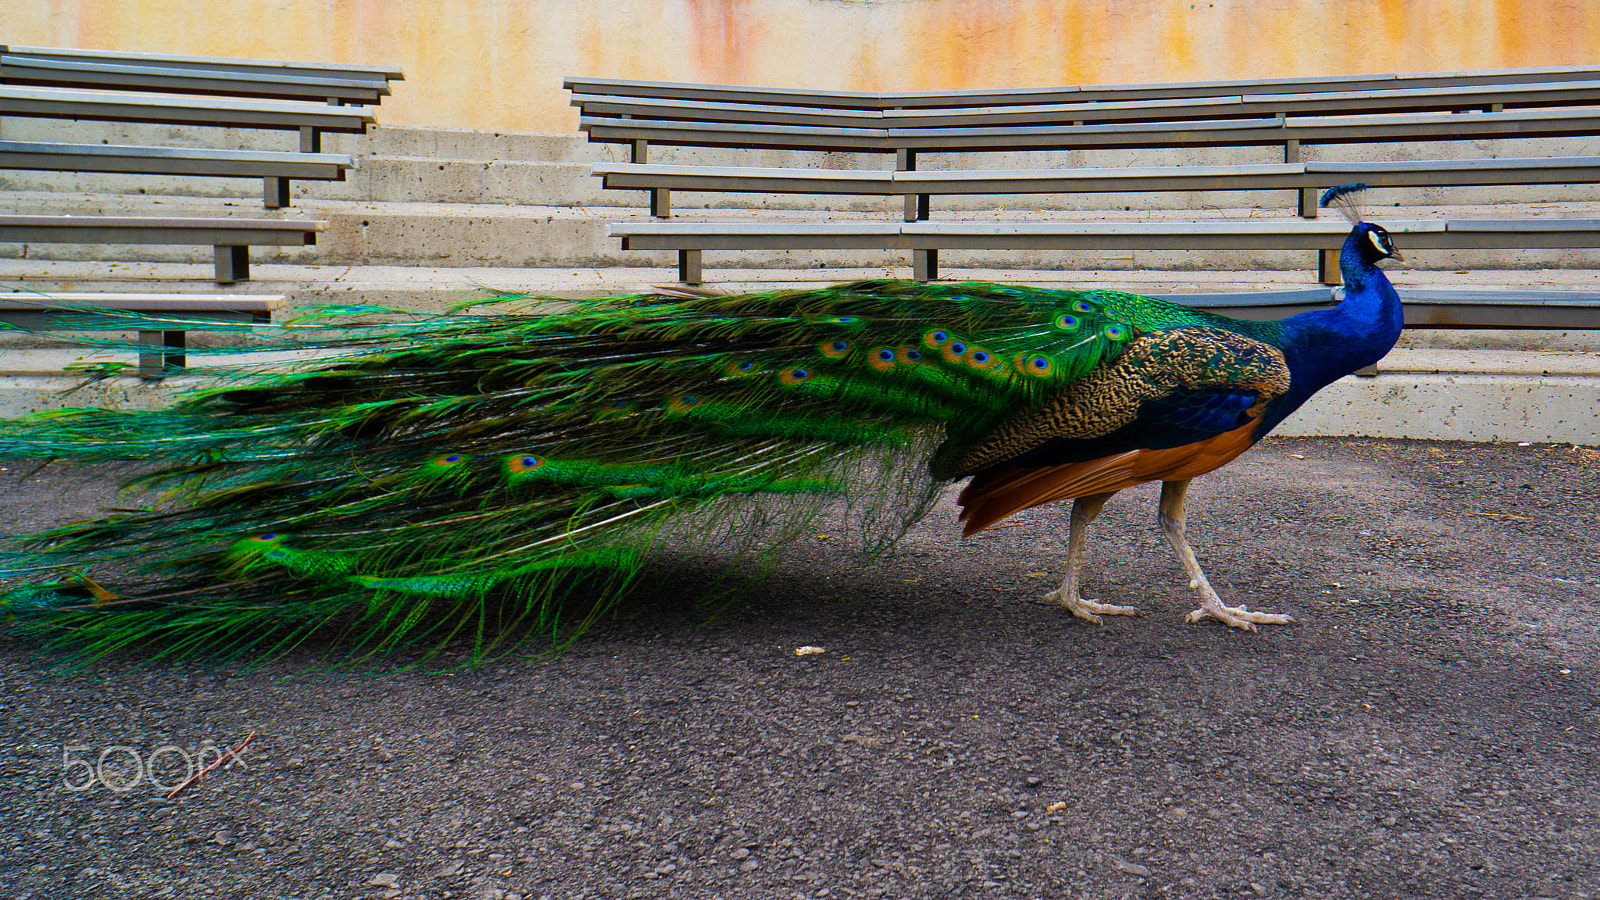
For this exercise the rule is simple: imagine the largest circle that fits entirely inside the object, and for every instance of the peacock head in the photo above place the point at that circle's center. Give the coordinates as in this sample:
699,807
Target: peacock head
1371,241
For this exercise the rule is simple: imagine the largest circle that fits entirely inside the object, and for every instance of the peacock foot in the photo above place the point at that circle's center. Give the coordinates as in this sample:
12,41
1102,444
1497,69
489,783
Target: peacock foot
1087,610
1236,616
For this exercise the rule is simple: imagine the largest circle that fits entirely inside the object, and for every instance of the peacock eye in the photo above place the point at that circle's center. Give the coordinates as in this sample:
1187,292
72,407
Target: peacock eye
524,462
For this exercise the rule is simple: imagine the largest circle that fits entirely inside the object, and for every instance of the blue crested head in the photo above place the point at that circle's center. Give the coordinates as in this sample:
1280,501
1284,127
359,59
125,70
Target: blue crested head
1367,243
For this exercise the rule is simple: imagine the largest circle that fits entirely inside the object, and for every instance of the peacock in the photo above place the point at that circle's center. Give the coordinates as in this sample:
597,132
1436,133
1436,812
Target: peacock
511,470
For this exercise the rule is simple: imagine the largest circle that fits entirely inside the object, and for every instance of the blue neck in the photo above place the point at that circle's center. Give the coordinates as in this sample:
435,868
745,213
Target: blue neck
1325,345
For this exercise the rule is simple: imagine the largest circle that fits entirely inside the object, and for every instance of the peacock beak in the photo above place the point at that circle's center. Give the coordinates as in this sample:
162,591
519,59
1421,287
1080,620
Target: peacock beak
1395,254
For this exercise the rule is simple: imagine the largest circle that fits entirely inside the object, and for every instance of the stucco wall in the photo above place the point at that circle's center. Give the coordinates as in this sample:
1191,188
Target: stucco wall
498,64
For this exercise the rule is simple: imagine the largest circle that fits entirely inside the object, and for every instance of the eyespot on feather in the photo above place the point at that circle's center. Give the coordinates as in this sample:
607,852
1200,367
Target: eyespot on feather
683,402
517,463
908,355
1115,332
936,338
848,321
1067,322
954,352
795,376
835,349
1084,306
1034,364
742,367
882,359
614,409
982,360
447,461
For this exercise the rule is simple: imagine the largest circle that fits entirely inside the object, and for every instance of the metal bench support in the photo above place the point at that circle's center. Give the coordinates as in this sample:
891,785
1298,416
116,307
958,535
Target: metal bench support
689,266
1308,196
916,204
160,351
233,263
660,198
1328,267
275,193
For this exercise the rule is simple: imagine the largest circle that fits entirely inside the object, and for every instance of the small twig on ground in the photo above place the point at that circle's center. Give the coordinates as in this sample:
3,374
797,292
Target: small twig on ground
220,760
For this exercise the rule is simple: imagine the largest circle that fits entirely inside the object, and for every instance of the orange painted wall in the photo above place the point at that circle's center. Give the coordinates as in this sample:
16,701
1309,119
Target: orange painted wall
498,64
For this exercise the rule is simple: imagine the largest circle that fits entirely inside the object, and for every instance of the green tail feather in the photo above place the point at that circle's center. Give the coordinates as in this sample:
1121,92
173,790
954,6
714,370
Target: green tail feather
432,478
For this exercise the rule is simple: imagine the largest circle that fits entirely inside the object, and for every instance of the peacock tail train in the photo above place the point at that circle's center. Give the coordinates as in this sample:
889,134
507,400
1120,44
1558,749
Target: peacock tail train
496,472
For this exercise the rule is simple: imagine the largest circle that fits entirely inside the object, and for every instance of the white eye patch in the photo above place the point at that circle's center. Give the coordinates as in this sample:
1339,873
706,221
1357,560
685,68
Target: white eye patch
1379,242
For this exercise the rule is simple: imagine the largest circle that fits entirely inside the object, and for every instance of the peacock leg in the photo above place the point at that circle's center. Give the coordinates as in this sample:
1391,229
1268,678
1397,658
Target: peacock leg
1211,605
1084,511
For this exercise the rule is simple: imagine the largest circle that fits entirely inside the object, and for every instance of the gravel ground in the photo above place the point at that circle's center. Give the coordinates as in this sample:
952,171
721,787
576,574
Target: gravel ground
1430,730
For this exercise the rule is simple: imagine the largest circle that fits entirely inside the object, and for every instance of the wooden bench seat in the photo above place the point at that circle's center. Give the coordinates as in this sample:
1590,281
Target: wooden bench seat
1489,98
1262,132
926,184
223,76
232,238
221,112
67,157
880,100
161,349
926,239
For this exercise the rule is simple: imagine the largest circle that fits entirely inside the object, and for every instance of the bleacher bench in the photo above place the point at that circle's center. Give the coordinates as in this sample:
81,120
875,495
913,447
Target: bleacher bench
140,160
276,79
880,100
231,238
1306,176
926,239
161,350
